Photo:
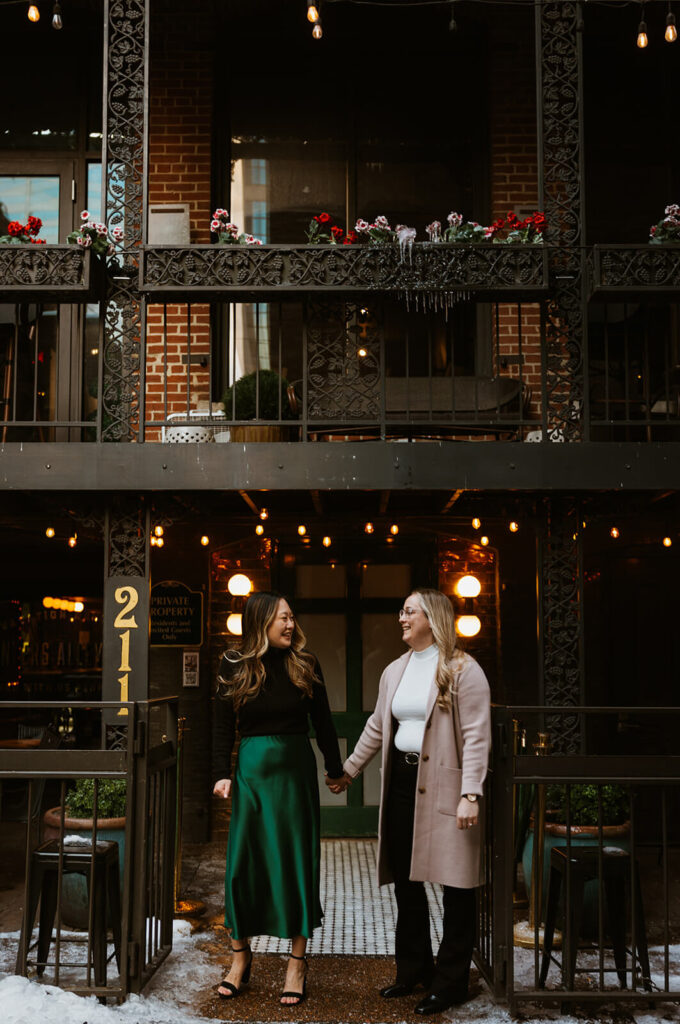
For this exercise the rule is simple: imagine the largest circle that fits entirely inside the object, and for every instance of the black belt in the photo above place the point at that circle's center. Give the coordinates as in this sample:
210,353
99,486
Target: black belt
410,758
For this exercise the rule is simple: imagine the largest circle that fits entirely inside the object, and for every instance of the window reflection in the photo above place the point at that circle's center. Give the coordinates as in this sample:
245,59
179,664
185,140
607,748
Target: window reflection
22,196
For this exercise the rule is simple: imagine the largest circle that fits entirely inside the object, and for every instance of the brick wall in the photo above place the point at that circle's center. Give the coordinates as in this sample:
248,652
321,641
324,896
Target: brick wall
180,159
514,177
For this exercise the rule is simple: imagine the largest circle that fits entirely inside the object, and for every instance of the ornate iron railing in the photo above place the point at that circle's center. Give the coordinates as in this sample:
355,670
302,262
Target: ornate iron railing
427,273
48,273
641,269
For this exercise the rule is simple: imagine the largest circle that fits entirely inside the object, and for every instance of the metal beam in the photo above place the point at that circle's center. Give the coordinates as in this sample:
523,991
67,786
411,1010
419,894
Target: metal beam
372,465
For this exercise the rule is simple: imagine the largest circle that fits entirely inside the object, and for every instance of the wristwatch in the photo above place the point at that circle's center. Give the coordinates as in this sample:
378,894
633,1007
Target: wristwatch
472,797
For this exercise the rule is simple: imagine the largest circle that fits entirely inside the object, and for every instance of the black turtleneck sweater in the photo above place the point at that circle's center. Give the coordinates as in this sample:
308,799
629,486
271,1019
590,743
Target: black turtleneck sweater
280,709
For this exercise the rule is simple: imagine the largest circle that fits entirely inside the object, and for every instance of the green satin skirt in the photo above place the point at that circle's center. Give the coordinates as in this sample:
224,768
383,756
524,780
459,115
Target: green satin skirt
273,852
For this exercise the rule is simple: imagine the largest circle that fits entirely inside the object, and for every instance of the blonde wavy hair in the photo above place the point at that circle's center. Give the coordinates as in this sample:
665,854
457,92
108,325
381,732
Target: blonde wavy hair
439,613
248,676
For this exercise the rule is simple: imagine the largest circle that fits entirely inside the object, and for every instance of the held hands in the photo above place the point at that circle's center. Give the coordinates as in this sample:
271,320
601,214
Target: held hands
222,788
340,784
467,814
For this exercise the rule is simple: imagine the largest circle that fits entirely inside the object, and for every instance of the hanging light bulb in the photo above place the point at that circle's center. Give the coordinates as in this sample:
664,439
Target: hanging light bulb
312,12
33,13
362,352
513,526
326,542
259,529
369,528
671,33
452,23
302,529
158,530
667,542
264,514
476,523
614,532
72,541
57,21
154,541
49,532
394,529
159,542
642,39
317,31
484,541
205,540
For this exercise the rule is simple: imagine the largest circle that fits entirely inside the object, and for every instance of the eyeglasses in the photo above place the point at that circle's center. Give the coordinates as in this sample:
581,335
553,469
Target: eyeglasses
408,613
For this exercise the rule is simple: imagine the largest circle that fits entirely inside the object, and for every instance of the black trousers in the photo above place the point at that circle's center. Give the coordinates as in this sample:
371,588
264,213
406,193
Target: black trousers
413,947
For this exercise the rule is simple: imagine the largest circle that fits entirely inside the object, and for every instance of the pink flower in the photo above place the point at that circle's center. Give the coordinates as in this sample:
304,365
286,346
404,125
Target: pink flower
85,215
117,234
361,225
85,241
215,225
455,219
382,222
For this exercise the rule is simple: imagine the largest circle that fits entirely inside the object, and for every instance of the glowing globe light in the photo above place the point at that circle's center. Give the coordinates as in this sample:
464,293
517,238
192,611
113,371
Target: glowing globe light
235,624
468,625
239,585
468,586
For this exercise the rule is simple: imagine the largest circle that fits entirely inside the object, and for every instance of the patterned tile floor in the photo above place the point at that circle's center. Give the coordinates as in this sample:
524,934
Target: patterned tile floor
359,916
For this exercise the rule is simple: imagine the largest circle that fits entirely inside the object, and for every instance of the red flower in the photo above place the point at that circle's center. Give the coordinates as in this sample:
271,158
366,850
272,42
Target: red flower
33,225
336,231
15,229
323,218
350,238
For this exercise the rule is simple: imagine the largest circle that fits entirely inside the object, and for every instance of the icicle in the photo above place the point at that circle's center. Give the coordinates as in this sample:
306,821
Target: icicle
406,237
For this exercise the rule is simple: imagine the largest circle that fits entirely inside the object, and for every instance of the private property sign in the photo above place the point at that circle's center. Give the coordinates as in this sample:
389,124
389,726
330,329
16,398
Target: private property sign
176,615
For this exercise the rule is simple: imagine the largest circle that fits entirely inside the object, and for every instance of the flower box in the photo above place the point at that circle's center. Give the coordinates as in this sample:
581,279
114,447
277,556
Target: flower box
49,273
636,271
239,272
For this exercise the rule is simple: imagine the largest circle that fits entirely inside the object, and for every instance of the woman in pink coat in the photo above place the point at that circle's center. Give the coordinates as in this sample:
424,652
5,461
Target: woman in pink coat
431,721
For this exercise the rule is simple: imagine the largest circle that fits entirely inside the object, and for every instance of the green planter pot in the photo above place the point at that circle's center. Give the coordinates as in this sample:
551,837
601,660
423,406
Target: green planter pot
75,887
581,835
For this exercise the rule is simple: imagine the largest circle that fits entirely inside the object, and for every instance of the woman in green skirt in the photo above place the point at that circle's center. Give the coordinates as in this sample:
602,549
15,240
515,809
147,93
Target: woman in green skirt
268,690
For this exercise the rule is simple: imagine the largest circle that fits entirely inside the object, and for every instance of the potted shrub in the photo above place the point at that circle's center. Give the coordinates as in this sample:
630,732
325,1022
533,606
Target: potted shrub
111,806
584,831
262,395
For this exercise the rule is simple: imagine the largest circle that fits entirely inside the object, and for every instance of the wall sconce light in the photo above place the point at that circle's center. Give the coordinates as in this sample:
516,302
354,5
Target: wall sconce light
468,587
468,625
239,585
235,624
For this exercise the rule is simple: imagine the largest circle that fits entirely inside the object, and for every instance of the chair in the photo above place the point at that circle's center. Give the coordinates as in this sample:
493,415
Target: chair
616,875
43,885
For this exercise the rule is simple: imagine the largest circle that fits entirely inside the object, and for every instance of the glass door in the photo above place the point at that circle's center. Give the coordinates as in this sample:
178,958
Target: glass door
348,611
39,343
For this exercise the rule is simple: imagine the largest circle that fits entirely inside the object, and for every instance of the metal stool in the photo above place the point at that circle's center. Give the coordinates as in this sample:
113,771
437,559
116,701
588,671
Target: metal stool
43,887
616,874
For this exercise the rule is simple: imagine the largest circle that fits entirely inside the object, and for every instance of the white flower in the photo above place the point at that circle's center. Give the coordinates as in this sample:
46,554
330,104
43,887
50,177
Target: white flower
361,225
382,222
215,225
85,241
117,234
455,219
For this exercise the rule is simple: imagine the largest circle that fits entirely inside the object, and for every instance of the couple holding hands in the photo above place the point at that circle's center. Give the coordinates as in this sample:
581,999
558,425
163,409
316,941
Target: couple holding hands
432,725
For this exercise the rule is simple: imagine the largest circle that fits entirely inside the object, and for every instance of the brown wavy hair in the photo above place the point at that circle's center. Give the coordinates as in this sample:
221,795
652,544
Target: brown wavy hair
439,613
248,676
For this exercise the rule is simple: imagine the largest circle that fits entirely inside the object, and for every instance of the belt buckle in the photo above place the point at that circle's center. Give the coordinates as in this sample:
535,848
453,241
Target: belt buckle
412,757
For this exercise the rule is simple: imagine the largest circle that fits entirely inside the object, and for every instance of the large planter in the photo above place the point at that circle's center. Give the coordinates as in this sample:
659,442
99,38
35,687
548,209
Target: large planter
258,433
581,835
74,892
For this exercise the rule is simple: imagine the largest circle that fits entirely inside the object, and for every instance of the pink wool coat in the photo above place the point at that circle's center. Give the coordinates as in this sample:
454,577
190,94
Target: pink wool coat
441,851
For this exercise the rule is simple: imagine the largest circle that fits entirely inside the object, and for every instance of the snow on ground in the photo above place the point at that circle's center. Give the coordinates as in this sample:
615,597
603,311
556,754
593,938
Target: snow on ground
190,969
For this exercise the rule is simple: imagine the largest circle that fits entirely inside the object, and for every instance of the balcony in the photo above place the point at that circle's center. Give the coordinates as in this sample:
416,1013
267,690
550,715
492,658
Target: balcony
49,273
429,273
636,272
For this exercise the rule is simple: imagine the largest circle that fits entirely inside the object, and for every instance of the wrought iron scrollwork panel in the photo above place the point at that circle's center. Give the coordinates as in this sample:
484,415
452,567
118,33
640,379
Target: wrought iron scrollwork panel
126,537
37,268
426,268
560,112
630,267
125,138
342,385
561,625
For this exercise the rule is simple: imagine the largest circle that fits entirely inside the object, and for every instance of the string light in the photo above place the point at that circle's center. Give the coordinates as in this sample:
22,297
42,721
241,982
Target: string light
513,527
369,528
667,542
671,33
259,529
57,20
153,541
205,540
362,353
452,23
158,531
394,529
302,529
476,523
484,541
317,31
642,39
33,13
312,12
614,532
159,542
72,541
49,532
264,514
326,542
